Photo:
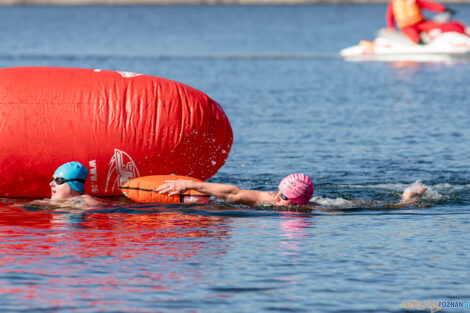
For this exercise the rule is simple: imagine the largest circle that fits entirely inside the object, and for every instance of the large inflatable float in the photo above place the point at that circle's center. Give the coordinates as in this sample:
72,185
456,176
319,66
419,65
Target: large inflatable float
120,125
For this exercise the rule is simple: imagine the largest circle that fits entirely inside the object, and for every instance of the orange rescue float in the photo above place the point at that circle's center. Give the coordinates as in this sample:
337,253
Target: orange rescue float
144,189
120,125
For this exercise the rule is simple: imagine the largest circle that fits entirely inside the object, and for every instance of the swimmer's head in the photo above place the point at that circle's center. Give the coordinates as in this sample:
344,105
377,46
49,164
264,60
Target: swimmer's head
74,173
298,188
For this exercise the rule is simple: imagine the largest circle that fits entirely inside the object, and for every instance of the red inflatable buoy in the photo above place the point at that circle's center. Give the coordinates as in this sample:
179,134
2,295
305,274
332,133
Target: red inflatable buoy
120,125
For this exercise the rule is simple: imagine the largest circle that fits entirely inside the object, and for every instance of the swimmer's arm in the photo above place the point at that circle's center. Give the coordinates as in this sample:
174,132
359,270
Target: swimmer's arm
410,196
431,5
229,193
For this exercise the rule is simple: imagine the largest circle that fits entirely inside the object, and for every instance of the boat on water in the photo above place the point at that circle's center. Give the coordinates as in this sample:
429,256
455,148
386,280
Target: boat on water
392,45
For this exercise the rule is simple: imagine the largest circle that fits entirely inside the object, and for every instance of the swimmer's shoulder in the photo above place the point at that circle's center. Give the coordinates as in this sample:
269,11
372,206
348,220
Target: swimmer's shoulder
88,200
266,198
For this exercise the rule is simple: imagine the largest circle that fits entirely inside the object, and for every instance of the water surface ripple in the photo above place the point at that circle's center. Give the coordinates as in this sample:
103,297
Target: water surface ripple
361,130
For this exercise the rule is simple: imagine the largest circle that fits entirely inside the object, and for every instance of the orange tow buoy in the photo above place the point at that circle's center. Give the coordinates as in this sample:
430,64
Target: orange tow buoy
144,189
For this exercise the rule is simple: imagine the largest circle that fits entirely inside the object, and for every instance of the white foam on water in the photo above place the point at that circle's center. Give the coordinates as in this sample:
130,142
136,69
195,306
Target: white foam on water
450,187
338,202
401,186
392,186
432,192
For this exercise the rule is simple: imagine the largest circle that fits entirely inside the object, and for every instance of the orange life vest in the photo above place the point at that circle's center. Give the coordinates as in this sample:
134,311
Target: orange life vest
406,12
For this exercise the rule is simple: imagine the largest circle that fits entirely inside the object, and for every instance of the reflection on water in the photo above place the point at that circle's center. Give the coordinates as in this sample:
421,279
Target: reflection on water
361,130
45,254
292,230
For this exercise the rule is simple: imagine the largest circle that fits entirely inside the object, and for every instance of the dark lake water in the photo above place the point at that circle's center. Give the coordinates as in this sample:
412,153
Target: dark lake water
360,130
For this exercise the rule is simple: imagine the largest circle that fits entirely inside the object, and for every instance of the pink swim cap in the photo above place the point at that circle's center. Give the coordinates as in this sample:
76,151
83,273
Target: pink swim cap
298,188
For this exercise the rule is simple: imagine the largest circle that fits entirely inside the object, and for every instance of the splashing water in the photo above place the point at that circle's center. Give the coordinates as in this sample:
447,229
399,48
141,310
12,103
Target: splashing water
429,194
328,202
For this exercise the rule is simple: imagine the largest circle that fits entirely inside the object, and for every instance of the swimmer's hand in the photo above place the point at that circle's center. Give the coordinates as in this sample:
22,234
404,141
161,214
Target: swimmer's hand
174,187
413,193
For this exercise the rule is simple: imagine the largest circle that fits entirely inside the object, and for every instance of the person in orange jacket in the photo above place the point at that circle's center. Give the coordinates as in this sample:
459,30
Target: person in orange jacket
409,18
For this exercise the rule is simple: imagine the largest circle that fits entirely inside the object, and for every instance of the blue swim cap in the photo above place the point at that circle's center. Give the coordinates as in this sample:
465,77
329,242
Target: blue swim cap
73,170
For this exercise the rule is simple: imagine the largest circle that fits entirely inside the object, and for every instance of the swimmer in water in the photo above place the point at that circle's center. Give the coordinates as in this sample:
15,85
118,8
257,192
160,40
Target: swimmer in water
68,185
295,189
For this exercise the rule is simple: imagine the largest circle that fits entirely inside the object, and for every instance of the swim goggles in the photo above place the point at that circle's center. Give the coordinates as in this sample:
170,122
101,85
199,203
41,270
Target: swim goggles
283,197
60,180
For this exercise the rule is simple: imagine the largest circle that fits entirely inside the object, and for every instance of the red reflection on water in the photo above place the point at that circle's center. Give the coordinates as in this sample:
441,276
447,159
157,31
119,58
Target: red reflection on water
294,229
99,234
134,253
